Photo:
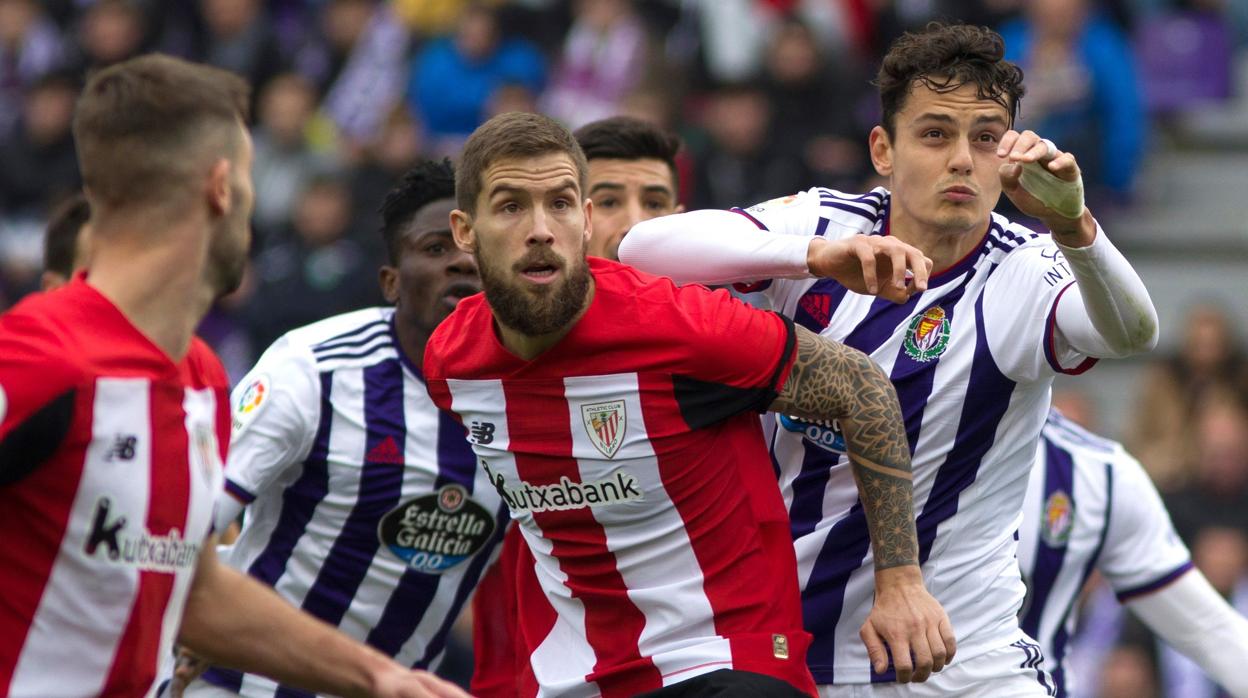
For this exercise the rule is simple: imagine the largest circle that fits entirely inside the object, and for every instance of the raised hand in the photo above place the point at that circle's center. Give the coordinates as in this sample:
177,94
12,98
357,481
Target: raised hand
871,264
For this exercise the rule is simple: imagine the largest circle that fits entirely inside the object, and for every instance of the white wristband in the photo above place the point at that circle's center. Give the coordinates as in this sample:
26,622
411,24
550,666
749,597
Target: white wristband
1065,198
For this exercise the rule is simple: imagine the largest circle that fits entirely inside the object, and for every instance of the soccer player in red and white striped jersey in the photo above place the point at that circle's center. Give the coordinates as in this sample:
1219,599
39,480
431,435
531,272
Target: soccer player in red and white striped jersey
114,420
615,414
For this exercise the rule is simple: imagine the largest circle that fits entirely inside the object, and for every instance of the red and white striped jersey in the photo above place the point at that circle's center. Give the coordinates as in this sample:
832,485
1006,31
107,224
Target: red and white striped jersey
110,457
632,458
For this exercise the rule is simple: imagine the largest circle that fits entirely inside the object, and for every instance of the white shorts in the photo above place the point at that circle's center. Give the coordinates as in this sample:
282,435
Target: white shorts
1013,671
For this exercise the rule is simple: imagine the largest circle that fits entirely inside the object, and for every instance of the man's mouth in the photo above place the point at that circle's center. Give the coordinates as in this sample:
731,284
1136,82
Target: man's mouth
539,272
457,292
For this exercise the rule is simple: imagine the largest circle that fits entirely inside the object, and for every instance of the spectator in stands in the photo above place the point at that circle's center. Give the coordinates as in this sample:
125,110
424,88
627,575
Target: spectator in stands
741,162
369,52
110,31
1210,360
64,244
285,161
237,37
1082,89
380,164
319,269
603,59
39,165
30,47
817,106
1217,495
453,77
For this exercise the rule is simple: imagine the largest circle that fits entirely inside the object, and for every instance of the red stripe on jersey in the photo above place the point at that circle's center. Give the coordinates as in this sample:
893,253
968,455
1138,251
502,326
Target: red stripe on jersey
749,577
537,423
134,667
34,519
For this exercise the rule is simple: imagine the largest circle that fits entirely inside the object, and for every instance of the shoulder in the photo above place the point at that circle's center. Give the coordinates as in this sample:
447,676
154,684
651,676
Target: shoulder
1069,436
39,331
206,368
357,336
823,207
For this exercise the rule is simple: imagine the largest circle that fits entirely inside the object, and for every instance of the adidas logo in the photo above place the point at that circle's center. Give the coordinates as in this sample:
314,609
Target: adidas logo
818,306
385,452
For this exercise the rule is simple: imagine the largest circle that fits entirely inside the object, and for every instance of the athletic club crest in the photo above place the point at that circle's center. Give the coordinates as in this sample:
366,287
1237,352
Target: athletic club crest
604,422
1059,518
928,335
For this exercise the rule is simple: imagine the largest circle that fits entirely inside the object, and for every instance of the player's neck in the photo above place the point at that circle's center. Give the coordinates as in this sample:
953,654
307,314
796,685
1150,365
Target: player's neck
528,347
158,284
945,247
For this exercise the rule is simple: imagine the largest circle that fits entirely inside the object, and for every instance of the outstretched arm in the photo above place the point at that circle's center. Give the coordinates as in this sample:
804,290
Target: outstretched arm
233,620
1191,616
1112,316
830,381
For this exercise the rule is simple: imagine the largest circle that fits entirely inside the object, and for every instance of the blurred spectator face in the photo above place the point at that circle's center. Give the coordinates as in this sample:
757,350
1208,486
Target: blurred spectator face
286,106
433,274
111,31
323,213
1057,18
1127,673
477,34
228,17
509,98
626,192
344,22
649,106
601,15
49,112
738,120
16,16
1222,447
793,57
1207,339
1222,555
399,145
1076,407
942,161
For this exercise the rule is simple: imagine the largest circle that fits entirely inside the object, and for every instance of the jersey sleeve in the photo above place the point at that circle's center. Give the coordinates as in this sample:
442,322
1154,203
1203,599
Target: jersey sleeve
38,389
733,357
275,411
1142,551
796,214
1020,314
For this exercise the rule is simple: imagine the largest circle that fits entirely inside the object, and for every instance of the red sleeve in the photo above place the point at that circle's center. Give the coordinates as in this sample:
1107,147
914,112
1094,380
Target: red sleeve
38,386
733,357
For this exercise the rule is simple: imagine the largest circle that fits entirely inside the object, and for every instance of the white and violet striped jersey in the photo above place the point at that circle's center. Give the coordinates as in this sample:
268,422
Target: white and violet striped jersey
972,359
1089,505
365,505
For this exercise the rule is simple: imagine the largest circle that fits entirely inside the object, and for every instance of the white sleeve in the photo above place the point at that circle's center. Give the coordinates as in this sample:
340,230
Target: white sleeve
1142,552
1112,316
766,241
1191,617
276,409
1020,303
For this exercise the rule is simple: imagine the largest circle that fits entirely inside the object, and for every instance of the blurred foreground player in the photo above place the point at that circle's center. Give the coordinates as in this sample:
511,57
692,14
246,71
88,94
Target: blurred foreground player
973,356
613,413
1090,506
364,502
114,420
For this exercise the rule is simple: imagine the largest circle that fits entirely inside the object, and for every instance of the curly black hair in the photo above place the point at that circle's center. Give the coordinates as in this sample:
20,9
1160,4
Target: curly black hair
426,182
944,57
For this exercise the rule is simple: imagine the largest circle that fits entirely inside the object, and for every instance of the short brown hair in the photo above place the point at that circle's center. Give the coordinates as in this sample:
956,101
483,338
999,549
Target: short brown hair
509,136
945,57
144,125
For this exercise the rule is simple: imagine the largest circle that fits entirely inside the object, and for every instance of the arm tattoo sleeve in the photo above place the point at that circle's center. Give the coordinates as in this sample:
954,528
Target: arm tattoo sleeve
831,381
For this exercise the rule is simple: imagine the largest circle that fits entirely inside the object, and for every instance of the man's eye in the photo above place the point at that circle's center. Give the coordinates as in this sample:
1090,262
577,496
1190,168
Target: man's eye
608,203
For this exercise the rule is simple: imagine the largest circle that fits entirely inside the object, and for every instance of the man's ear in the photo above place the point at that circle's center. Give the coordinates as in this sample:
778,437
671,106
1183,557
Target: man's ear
461,230
219,187
680,208
881,151
388,279
589,220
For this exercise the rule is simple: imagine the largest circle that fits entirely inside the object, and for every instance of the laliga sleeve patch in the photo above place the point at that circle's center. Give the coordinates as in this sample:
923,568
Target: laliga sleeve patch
251,402
773,204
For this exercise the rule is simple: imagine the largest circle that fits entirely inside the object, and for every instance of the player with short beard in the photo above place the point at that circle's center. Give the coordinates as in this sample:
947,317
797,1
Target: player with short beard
627,378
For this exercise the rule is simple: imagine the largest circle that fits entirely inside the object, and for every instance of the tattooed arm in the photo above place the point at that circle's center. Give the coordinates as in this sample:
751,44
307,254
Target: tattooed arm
831,381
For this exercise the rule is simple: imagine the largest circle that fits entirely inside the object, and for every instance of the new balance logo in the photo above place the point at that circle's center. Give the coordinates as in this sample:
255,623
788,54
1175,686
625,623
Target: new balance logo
482,432
122,448
385,452
565,494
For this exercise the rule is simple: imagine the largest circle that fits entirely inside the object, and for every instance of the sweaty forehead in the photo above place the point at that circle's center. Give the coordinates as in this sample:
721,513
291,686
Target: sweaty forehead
961,103
533,174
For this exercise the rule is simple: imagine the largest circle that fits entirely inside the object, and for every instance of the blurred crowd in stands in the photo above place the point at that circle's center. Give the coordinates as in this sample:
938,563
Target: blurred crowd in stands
770,96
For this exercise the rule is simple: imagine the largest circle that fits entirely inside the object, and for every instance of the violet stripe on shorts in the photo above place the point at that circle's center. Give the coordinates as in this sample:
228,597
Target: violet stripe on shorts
987,399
